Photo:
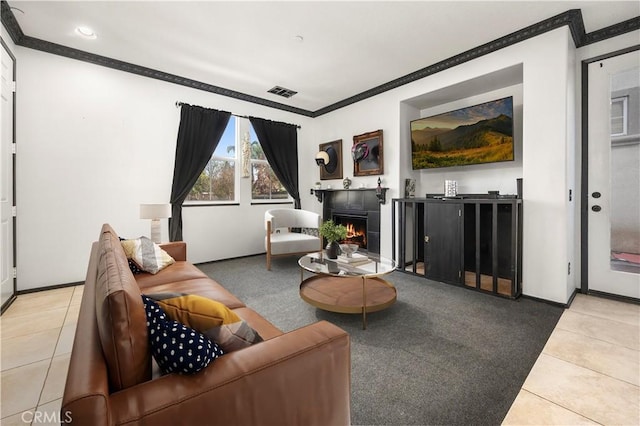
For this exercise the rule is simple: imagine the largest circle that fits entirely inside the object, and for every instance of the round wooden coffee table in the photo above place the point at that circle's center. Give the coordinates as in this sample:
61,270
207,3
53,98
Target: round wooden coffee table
348,288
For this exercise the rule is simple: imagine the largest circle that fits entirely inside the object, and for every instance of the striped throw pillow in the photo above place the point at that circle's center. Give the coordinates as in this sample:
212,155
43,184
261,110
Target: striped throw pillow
147,255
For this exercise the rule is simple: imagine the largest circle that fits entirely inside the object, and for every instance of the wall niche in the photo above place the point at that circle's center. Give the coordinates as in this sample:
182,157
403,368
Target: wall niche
478,178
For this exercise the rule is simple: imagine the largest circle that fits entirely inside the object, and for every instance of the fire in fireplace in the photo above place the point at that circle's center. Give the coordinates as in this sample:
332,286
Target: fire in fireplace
356,229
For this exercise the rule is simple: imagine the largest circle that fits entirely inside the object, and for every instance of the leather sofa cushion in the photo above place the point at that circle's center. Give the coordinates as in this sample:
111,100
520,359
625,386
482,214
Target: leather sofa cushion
120,316
204,287
179,271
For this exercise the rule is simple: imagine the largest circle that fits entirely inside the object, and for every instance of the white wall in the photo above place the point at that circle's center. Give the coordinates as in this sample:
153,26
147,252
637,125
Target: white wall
94,143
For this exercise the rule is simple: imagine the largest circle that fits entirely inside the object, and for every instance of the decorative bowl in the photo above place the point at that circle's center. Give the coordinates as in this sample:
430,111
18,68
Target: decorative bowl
349,249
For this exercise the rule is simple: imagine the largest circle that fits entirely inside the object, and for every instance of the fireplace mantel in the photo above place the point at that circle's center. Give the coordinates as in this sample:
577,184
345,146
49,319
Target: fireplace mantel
320,193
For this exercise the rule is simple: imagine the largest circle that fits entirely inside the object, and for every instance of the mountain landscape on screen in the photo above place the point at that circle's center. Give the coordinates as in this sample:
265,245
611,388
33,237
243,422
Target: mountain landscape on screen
473,135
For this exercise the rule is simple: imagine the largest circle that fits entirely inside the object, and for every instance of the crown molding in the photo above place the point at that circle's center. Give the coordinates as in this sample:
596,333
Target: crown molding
10,23
611,31
572,18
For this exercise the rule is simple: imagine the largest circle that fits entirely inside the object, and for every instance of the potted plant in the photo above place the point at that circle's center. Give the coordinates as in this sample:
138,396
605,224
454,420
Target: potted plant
333,233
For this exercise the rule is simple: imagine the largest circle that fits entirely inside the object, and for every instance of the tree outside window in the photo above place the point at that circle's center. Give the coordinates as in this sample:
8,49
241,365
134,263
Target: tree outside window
217,180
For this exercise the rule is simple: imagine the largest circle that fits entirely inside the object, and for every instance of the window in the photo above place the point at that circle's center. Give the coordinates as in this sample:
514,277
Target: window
220,181
264,183
217,182
619,116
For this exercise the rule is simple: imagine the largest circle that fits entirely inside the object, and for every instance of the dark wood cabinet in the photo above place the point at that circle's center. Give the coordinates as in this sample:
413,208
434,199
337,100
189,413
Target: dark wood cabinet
442,255
471,242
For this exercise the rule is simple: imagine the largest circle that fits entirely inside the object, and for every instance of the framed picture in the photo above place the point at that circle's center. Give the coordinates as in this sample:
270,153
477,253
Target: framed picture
367,154
333,169
409,188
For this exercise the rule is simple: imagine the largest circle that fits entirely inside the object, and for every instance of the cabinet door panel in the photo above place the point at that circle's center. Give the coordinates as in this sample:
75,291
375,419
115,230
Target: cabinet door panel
442,249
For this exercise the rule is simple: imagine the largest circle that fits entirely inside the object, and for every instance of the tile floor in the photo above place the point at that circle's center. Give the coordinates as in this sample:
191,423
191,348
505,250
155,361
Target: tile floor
37,333
588,372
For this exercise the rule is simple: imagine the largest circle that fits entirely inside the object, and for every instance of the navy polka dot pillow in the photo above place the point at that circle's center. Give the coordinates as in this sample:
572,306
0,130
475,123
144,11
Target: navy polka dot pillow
176,347
134,268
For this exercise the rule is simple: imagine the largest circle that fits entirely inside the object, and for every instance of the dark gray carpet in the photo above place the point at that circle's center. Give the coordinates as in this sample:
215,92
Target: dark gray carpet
441,355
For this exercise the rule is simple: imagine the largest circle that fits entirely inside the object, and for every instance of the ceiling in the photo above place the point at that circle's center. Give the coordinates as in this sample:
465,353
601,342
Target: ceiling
327,51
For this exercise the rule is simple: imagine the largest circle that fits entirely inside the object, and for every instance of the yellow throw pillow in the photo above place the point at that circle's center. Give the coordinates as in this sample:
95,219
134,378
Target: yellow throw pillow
148,255
209,317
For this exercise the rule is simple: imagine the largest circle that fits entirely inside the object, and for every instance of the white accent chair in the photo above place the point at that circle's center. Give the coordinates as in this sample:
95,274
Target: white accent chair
280,241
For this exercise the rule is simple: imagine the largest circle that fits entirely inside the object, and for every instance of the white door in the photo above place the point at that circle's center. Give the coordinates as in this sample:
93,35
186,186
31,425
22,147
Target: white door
6,174
614,175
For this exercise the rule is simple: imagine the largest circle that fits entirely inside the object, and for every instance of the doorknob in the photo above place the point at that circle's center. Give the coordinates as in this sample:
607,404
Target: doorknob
596,194
596,208
426,238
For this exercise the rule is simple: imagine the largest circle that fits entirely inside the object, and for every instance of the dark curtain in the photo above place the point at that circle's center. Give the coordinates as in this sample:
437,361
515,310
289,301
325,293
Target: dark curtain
279,142
198,135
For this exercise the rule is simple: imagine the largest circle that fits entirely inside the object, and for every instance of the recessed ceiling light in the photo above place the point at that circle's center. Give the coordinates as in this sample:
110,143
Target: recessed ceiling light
86,32
298,38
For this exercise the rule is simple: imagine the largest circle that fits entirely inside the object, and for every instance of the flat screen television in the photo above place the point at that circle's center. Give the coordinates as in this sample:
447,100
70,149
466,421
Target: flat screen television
473,135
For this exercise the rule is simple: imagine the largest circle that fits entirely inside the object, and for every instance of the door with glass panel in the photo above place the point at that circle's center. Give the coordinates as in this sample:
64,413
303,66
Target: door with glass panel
614,175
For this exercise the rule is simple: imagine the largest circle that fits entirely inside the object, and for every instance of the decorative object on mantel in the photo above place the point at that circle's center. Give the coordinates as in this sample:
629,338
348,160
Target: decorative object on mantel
346,183
329,159
317,185
333,233
381,192
367,154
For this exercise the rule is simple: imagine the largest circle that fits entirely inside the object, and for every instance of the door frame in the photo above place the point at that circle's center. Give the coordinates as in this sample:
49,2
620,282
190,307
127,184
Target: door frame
8,303
584,178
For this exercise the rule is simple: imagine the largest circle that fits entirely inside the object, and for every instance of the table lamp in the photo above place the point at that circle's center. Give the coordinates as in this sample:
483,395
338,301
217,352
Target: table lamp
155,212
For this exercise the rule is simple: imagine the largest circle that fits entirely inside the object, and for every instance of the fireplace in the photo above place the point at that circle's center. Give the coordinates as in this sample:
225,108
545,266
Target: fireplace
359,210
356,228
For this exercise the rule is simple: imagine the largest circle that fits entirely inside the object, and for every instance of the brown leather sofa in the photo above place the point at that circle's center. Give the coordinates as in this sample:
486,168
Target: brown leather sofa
298,378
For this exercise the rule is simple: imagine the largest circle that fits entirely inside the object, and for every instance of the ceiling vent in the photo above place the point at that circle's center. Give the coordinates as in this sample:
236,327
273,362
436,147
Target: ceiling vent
281,91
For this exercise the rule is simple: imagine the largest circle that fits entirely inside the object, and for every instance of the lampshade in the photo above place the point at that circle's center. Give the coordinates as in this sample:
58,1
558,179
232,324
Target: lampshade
155,211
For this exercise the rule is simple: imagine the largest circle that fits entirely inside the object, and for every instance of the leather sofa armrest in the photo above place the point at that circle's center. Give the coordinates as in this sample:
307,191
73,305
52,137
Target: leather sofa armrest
176,249
300,377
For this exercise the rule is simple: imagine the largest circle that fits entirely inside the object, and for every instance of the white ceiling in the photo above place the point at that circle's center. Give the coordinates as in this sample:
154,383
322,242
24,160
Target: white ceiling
348,47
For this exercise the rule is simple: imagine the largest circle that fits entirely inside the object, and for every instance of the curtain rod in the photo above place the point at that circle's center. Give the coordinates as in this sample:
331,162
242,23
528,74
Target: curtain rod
179,104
